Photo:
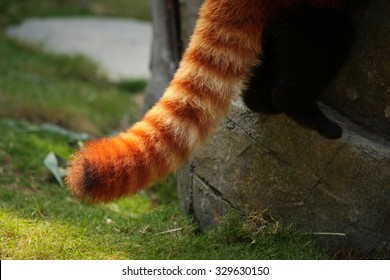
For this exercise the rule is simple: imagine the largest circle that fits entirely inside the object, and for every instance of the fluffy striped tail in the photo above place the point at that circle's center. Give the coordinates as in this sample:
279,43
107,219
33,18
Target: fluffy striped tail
224,47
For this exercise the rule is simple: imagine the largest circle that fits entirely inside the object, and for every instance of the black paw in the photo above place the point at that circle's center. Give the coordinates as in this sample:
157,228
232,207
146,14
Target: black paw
330,130
261,105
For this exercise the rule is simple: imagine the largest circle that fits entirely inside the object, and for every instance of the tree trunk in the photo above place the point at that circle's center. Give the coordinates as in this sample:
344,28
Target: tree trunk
166,49
173,23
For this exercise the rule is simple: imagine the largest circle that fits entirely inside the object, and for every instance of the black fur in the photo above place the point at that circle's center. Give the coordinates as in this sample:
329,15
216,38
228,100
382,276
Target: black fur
303,50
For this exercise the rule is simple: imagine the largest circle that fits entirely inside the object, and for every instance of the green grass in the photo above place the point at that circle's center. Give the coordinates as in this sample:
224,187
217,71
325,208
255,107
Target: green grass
13,11
68,91
41,220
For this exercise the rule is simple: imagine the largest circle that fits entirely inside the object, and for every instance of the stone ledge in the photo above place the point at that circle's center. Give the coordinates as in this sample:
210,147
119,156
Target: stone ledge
260,161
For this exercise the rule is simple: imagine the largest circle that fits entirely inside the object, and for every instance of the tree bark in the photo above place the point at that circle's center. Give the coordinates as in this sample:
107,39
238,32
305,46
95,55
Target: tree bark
173,23
166,49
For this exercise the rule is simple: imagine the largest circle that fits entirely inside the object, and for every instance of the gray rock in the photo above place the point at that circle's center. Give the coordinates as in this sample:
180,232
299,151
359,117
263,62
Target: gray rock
254,162
362,91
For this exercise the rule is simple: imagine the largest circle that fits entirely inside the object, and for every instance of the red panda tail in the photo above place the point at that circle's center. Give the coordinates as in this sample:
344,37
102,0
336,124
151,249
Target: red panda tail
224,47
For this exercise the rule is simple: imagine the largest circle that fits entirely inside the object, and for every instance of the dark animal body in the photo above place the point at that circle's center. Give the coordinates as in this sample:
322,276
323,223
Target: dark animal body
304,46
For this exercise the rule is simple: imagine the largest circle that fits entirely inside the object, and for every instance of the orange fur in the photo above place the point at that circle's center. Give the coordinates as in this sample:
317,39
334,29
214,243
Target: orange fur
213,71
